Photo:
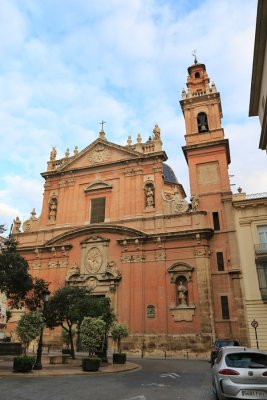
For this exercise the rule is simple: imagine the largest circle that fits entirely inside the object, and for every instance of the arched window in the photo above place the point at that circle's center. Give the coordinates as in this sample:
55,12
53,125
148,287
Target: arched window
202,122
197,75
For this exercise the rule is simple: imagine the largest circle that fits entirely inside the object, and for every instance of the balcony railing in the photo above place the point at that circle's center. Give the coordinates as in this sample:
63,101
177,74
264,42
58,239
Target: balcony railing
263,293
261,248
256,196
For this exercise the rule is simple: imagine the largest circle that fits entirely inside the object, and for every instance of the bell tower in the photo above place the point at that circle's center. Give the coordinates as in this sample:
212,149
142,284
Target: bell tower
208,156
206,151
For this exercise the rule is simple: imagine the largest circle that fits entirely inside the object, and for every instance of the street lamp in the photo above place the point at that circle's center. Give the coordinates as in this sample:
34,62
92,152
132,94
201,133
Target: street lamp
38,362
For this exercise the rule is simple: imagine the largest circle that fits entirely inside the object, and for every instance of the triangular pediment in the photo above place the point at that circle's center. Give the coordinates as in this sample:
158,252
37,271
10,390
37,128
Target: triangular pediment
98,153
97,186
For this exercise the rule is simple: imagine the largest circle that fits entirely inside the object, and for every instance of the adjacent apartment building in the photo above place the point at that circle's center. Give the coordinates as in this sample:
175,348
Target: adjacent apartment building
251,222
258,93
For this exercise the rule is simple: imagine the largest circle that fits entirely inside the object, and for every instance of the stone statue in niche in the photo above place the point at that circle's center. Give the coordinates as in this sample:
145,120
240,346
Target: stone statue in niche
182,294
150,196
52,210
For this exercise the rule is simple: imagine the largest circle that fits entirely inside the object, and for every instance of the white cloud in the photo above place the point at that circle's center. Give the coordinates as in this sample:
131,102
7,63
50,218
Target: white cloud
19,197
69,65
248,163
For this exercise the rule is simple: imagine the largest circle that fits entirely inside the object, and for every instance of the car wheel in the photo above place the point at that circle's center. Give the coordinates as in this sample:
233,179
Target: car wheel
215,391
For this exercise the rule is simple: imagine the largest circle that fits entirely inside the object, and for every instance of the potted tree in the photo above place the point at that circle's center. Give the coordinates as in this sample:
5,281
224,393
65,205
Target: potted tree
91,333
119,331
28,328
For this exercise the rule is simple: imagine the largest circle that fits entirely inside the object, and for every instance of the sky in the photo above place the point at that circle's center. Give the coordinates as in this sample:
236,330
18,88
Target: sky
66,65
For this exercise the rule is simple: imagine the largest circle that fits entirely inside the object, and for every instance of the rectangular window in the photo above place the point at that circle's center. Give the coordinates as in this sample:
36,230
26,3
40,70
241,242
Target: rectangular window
220,261
225,308
98,210
262,277
216,221
262,233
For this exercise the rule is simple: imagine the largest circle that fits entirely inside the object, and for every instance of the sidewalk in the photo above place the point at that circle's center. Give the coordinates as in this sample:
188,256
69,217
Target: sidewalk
72,368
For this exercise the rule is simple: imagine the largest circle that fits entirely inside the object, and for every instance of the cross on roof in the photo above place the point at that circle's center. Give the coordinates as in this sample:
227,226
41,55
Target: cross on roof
102,123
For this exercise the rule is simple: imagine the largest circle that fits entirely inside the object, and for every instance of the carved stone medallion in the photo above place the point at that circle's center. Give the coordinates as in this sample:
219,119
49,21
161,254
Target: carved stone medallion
93,260
100,154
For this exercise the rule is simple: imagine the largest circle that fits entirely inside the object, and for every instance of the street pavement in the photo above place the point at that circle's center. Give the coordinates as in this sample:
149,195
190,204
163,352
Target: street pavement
150,379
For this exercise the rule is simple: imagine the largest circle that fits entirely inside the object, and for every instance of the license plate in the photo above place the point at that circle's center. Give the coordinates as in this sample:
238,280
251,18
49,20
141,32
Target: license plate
255,394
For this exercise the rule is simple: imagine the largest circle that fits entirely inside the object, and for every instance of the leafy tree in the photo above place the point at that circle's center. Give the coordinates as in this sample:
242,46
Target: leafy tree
2,228
92,331
15,280
100,307
67,308
34,299
8,315
119,331
29,327
65,337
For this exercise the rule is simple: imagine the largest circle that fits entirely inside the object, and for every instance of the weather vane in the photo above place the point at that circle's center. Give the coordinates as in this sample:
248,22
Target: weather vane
102,123
194,54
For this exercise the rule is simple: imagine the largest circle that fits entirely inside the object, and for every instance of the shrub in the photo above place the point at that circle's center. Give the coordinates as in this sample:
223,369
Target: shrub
23,364
119,331
29,327
66,351
92,332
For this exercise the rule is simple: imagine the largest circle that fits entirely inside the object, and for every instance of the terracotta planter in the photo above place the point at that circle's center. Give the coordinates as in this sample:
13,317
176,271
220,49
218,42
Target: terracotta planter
91,364
119,358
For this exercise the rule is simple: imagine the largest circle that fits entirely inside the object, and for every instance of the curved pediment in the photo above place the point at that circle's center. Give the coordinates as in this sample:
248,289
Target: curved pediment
180,269
98,185
95,230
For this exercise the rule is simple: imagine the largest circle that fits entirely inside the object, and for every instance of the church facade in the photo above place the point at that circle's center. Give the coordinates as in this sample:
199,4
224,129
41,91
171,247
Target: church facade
116,220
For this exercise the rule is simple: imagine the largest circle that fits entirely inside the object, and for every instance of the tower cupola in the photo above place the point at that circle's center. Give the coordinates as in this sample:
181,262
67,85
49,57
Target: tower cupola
201,106
197,80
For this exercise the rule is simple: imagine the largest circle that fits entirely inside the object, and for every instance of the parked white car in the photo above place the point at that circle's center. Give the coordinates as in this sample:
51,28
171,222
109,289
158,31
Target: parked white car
240,373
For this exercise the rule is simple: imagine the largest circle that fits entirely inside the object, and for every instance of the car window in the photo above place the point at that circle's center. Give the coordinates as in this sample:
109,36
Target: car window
218,358
222,343
246,360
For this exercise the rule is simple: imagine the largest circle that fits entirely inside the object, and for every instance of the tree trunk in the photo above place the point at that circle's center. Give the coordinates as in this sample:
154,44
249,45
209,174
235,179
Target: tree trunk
72,346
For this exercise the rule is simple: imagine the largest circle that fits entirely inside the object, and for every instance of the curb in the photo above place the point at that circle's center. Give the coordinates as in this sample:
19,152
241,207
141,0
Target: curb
50,371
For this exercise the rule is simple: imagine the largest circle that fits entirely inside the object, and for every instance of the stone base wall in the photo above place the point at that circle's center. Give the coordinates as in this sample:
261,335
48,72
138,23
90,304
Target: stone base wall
184,346
180,346
10,349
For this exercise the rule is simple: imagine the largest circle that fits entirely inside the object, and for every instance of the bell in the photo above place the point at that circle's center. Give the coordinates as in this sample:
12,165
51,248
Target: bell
203,128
